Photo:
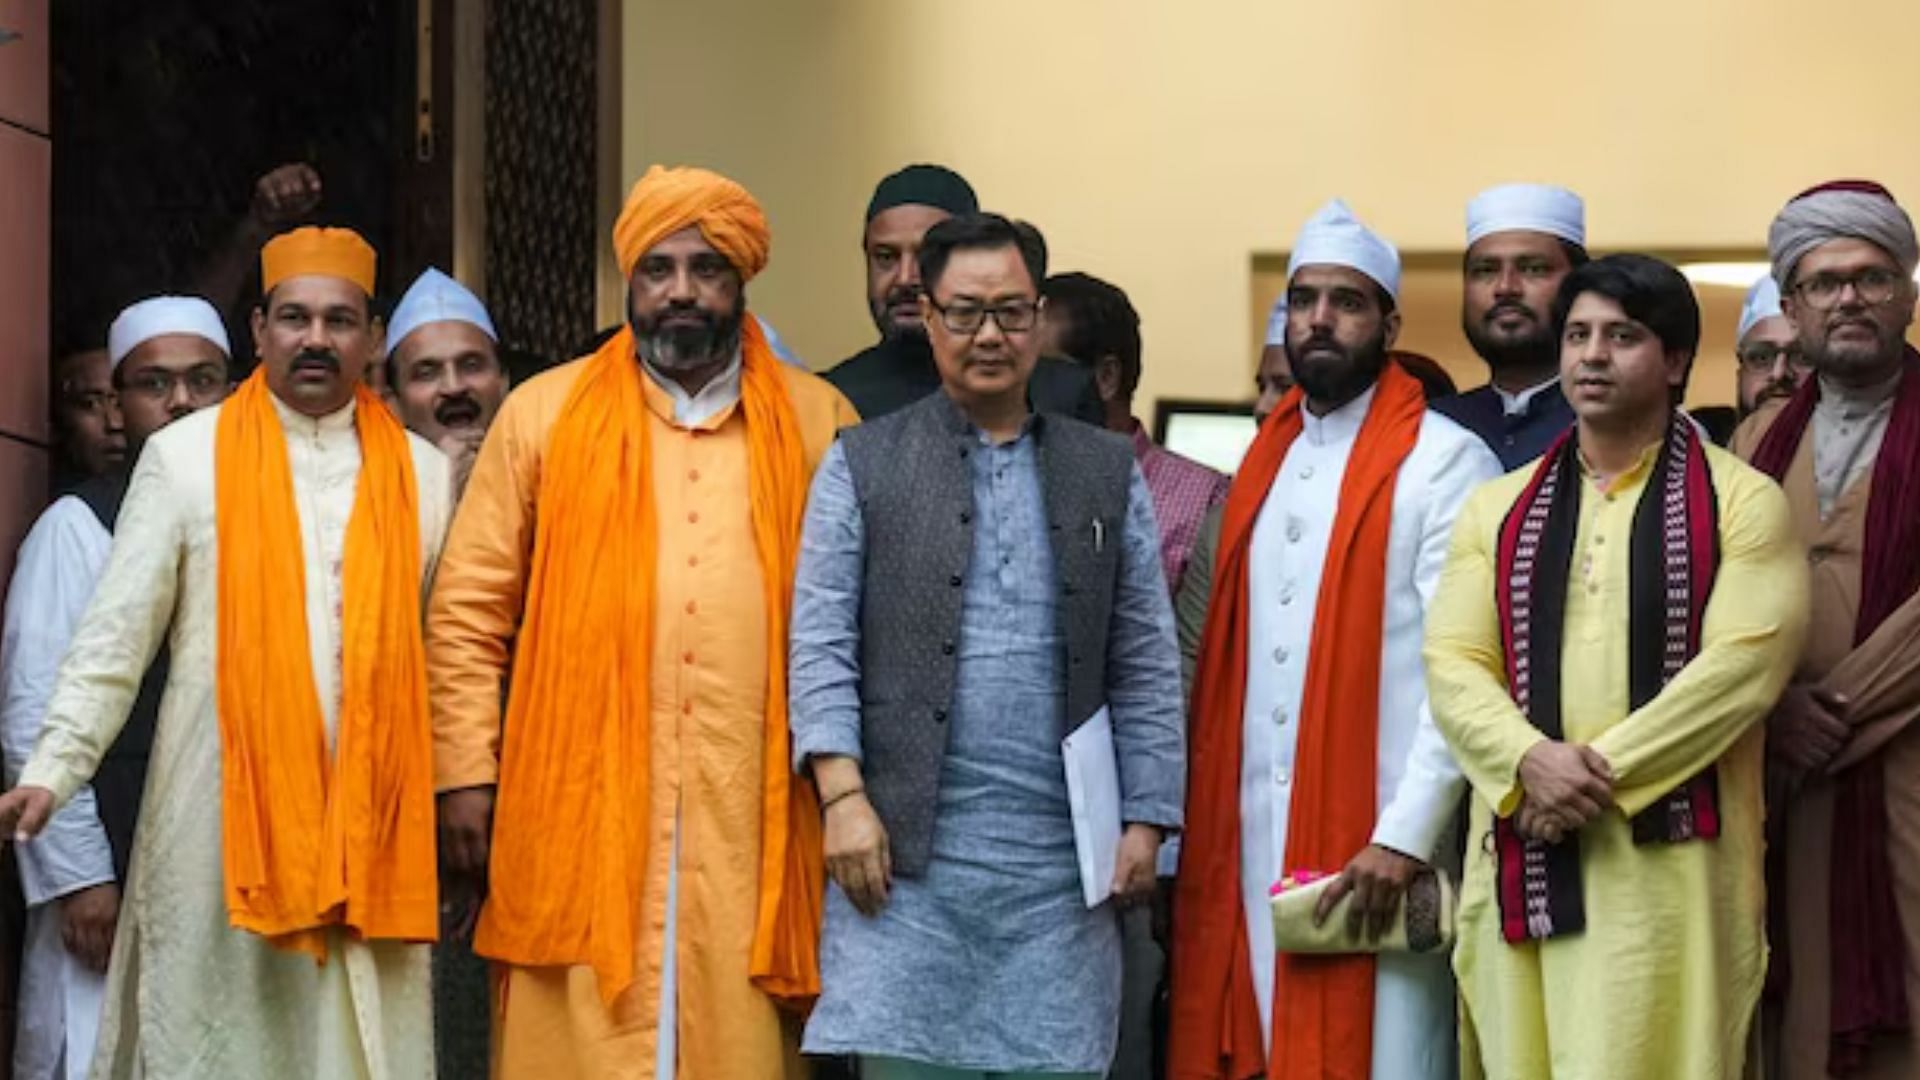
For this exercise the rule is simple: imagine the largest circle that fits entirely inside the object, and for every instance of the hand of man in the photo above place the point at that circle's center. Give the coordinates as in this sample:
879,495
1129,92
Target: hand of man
1134,863
1162,921
1572,781
87,919
285,195
1807,729
24,812
1535,822
461,447
466,831
858,859
1377,878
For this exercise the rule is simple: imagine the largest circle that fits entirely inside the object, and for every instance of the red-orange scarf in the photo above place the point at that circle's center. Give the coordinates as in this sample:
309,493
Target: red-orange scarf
311,839
570,836
1323,1006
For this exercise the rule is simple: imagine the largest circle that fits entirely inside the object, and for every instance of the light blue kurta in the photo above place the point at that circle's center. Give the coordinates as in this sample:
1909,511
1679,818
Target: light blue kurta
991,961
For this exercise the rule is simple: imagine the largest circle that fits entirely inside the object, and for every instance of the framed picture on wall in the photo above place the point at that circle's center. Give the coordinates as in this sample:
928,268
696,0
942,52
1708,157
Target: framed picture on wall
1214,433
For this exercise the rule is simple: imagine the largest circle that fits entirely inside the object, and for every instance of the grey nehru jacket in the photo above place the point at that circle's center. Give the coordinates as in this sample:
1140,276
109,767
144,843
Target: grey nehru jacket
913,483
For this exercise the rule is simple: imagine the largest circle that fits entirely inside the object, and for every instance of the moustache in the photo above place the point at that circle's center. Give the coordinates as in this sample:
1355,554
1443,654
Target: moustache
317,357
1508,307
457,411
1321,342
903,294
678,312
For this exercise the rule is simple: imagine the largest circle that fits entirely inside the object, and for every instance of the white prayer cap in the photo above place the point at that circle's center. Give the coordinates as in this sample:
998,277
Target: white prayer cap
162,315
1277,322
1540,208
434,297
1334,237
1763,301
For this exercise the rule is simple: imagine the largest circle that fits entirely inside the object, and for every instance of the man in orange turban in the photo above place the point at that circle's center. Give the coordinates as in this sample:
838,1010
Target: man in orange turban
629,533
282,876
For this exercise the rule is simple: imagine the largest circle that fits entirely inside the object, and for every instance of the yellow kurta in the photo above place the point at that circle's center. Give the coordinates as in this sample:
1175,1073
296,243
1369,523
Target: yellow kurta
1664,980
708,702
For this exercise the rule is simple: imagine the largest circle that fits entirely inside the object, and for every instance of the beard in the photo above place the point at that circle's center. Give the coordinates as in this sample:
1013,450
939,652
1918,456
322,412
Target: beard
708,339
1337,380
882,310
1534,350
1855,358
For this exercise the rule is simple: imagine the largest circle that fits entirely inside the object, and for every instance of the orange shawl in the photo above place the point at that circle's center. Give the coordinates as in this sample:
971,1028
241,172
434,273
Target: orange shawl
570,834
1323,1006
311,839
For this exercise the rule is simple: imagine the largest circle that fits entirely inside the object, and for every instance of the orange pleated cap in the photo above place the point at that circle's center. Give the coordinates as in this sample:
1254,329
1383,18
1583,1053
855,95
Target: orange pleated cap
340,253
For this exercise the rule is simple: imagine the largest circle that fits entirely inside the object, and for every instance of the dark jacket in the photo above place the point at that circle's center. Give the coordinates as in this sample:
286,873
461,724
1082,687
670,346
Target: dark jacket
897,372
122,776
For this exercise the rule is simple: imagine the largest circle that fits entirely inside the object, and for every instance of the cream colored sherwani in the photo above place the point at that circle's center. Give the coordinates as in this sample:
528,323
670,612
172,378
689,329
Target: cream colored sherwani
187,994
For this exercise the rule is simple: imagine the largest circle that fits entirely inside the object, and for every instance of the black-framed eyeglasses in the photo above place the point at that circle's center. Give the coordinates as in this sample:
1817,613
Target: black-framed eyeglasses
1874,286
967,317
203,383
1763,355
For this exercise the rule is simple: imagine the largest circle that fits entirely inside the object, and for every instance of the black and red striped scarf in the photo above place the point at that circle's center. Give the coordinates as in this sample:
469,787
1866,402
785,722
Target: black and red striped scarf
1867,948
1673,555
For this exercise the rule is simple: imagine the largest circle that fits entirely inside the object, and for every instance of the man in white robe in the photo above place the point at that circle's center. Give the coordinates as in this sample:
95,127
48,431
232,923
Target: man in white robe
189,994
169,356
1340,320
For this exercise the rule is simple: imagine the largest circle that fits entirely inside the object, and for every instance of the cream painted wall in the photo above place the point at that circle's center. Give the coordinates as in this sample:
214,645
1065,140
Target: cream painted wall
1163,145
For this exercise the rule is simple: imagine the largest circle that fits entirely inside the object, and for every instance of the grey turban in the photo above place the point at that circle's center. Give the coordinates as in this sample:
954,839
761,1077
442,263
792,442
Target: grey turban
1855,209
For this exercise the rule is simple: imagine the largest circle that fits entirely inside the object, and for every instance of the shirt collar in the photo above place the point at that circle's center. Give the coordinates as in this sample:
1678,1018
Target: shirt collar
1518,404
721,393
295,421
1142,444
1340,425
1642,466
1854,403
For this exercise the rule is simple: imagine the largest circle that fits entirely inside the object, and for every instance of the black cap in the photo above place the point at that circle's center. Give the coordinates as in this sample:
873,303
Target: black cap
924,185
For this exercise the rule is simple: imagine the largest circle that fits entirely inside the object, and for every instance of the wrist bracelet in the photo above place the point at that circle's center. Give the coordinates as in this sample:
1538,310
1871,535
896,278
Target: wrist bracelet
850,791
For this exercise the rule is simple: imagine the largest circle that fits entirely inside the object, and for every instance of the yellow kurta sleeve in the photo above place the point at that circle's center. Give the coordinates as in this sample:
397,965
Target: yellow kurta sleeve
1751,636
1466,668
124,624
479,588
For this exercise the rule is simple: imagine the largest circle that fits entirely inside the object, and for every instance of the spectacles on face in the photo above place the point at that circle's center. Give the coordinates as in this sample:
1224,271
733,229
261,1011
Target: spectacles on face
1874,286
1763,355
967,317
157,384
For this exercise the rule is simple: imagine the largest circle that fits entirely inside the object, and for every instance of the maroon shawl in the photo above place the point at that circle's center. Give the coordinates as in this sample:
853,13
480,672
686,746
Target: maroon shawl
1868,953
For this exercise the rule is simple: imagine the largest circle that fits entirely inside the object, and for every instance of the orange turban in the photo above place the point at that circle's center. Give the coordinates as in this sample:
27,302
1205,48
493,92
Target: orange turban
337,253
668,200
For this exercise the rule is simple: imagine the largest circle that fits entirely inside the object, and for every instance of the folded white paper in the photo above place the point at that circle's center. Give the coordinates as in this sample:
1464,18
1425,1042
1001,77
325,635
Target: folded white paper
1093,794
86,992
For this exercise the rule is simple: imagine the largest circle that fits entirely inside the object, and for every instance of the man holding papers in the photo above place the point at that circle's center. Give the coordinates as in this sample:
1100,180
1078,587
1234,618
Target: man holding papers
977,583
1313,752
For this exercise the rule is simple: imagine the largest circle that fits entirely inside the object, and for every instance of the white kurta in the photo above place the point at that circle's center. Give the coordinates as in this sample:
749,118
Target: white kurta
59,562
1419,787
188,995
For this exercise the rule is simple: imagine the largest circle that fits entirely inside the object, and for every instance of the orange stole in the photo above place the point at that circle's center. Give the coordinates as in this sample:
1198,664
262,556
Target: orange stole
1323,1006
308,841
569,843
